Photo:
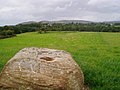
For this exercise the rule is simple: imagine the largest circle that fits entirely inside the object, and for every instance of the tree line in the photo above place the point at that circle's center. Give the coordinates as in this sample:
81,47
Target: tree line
9,31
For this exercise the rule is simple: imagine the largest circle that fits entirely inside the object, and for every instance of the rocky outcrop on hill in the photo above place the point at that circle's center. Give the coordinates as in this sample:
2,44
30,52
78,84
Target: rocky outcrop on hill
41,69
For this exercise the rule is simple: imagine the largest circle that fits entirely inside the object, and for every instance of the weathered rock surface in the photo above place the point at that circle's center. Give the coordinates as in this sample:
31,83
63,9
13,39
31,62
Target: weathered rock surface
41,69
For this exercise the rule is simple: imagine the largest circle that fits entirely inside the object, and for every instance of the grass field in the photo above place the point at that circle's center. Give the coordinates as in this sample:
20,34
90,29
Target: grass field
98,54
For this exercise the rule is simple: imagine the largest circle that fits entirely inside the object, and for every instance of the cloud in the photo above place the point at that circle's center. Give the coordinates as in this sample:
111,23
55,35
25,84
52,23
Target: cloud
16,11
104,6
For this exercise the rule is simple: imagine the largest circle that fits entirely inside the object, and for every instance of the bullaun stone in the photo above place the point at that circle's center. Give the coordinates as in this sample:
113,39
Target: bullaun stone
41,69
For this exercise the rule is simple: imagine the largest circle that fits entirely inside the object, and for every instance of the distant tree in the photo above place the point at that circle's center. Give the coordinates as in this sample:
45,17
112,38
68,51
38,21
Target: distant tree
7,33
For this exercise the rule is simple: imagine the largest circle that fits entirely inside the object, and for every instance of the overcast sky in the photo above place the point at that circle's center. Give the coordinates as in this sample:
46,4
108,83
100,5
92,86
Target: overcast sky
16,11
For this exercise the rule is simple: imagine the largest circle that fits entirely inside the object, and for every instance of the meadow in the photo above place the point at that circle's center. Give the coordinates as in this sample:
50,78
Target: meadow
98,54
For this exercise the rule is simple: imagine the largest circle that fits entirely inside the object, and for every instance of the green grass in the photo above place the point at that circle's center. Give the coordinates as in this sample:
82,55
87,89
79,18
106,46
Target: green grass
98,54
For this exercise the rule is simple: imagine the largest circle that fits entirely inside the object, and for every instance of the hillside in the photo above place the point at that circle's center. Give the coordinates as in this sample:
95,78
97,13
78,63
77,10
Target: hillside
60,21
112,22
70,21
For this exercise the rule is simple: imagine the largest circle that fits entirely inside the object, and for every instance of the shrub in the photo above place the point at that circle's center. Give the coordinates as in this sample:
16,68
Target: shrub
6,34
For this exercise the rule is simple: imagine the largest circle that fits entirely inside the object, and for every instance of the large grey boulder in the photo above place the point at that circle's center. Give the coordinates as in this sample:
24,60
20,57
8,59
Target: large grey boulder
41,69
